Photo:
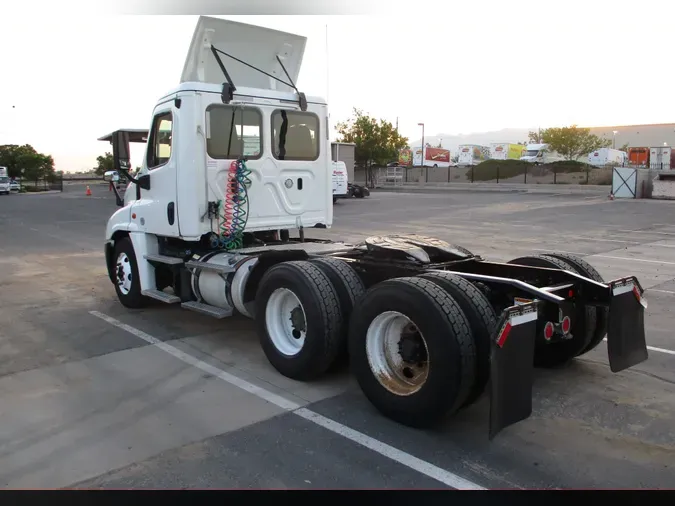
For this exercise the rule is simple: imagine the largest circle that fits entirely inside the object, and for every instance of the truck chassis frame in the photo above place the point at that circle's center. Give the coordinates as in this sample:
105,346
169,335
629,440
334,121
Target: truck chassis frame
540,310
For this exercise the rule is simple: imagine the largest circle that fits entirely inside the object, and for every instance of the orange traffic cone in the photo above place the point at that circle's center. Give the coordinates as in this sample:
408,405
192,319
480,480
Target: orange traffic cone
88,191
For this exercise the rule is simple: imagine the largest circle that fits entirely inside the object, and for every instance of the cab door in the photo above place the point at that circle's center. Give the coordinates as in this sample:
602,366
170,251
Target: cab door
156,211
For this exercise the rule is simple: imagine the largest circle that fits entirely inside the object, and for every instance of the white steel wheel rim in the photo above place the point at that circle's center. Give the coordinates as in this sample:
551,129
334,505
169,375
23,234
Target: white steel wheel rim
123,273
286,322
384,358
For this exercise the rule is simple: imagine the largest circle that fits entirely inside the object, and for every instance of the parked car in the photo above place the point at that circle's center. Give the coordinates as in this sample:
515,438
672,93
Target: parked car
14,185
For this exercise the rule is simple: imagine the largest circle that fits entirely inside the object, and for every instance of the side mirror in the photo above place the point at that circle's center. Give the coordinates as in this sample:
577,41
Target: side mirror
121,155
108,175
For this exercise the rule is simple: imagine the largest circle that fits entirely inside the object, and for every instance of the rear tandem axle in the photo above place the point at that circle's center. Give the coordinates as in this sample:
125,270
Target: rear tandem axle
426,325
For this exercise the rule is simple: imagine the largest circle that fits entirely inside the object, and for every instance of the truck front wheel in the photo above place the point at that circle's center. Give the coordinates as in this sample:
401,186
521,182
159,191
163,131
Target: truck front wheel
125,275
298,319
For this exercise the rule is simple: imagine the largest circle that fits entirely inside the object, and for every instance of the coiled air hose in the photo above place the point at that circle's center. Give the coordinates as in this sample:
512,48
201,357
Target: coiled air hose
235,206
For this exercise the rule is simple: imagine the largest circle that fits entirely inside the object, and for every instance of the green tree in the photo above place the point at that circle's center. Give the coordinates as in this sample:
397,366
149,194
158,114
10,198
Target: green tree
105,163
572,142
377,142
624,147
35,165
535,137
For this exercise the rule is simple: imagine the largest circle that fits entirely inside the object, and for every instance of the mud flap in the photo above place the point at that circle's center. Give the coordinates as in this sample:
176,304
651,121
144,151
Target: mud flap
511,366
626,345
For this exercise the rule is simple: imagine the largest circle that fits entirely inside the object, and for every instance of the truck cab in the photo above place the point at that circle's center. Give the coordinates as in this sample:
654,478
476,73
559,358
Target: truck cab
202,127
540,154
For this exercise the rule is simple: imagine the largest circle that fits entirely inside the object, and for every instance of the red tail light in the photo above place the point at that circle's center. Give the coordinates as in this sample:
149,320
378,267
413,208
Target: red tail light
566,325
548,331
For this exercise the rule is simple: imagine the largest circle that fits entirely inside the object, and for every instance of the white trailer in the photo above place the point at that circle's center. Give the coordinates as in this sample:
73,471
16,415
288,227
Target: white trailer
218,226
472,154
607,156
660,158
5,183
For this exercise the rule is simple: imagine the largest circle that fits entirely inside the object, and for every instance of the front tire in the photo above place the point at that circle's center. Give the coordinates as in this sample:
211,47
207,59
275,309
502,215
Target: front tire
126,278
298,320
411,351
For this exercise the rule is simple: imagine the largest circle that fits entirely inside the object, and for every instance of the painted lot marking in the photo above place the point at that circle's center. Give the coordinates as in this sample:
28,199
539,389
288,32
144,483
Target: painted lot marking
399,456
606,256
654,348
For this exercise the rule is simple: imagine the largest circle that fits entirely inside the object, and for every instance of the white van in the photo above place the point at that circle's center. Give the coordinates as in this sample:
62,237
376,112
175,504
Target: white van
539,154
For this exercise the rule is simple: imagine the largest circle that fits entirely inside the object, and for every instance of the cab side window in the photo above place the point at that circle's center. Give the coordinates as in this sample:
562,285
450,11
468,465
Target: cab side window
159,148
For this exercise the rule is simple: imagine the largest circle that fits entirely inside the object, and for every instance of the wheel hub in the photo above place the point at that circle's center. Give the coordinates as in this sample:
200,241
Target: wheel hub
286,322
397,353
123,272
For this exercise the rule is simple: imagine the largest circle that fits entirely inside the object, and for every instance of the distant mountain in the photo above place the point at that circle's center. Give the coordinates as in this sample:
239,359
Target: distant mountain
452,142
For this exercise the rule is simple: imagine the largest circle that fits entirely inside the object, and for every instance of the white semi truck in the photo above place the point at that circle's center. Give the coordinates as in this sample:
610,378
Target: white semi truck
218,227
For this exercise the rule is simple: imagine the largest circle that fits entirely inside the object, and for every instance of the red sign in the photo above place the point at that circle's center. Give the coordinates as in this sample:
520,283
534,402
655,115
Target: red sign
437,155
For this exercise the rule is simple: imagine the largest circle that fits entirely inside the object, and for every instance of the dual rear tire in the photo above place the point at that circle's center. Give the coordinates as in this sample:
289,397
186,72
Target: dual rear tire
418,346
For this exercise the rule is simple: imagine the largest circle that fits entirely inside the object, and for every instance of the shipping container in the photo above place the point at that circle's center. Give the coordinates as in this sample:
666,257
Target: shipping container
638,156
659,157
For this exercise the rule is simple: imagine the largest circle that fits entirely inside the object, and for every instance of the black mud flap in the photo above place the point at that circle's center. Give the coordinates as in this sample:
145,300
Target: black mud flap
626,345
511,366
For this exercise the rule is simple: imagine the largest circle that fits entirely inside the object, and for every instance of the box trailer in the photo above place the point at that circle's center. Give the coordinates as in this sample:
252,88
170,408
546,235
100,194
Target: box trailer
405,157
660,158
472,154
433,157
607,156
506,151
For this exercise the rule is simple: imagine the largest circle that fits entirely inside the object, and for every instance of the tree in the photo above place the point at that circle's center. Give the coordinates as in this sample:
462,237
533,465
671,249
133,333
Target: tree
624,147
376,141
573,142
105,163
535,137
35,165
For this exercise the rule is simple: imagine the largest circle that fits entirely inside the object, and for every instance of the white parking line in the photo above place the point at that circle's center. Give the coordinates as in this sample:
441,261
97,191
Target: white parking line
403,458
660,291
597,255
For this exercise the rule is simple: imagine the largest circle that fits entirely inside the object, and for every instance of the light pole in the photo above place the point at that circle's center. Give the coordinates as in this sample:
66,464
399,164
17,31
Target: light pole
422,158
426,172
614,132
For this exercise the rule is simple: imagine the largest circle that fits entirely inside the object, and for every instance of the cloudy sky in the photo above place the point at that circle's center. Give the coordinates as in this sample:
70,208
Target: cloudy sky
459,67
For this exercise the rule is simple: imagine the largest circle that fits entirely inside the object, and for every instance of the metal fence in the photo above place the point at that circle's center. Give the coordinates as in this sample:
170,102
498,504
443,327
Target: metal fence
494,173
50,183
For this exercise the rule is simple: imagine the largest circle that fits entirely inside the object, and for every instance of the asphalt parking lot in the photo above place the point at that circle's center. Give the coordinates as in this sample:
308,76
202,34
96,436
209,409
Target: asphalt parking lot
94,395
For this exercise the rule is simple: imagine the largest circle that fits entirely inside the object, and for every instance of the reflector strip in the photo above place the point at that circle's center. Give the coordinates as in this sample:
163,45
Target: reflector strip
504,334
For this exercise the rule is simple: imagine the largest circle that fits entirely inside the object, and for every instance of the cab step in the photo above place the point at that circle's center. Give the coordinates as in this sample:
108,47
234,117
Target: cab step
163,259
207,309
161,296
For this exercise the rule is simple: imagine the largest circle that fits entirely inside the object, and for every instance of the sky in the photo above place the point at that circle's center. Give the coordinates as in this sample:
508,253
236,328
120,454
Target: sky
458,67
